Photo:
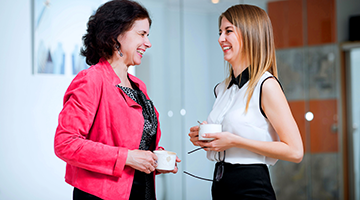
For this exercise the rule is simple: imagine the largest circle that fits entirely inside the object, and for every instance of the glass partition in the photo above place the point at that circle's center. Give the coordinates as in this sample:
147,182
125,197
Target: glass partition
161,71
180,70
203,68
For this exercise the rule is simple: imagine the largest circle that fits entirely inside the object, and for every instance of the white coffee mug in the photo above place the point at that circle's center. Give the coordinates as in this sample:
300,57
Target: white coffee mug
166,160
209,128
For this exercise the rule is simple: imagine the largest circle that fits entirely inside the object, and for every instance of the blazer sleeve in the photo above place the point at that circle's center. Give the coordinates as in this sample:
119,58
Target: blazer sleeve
81,101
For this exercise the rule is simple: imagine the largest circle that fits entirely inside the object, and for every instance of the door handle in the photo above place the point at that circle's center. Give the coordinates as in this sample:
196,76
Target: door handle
334,128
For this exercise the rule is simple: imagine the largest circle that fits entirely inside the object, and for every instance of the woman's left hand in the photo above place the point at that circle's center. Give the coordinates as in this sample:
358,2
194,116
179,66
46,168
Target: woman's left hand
222,141
173,171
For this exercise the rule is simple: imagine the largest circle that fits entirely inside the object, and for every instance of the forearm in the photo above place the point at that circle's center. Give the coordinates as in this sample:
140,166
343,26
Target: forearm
90,155
275,149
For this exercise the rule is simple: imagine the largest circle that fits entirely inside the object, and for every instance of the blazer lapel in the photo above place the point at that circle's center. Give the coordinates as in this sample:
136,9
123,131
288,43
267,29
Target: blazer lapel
127,99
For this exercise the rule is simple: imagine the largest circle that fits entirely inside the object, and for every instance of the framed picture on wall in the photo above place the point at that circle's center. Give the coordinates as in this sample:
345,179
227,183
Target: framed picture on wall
57,30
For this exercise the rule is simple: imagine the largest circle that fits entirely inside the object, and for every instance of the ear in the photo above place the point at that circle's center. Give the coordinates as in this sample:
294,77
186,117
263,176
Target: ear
117,44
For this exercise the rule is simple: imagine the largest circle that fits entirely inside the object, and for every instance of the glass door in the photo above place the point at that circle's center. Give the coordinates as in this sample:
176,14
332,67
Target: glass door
310,79
323,131
309,70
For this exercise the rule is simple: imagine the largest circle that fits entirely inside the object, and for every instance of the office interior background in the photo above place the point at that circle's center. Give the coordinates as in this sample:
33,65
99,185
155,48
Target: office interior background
318,67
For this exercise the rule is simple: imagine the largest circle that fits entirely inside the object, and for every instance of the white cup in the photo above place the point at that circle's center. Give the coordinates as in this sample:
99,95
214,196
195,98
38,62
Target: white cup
166,160
209,128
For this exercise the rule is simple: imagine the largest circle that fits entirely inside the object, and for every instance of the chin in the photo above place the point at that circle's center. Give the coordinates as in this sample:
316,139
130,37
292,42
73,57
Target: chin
137,61
226,59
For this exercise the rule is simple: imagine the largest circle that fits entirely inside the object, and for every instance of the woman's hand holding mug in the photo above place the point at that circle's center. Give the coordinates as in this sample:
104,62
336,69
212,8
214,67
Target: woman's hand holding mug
194,134
145,161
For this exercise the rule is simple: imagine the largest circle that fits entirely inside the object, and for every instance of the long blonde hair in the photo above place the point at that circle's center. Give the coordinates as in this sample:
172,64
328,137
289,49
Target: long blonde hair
255,27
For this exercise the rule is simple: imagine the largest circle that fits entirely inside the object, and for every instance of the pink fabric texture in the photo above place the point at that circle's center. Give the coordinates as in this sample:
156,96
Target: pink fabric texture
97,126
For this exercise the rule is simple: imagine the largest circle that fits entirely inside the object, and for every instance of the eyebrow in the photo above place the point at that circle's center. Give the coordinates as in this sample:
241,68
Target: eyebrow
227,28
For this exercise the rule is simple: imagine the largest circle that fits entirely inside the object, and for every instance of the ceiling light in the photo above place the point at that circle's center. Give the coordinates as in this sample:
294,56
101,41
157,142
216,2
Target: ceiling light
215,1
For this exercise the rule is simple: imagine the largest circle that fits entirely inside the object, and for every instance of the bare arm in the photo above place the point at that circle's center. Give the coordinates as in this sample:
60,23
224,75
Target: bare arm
277,110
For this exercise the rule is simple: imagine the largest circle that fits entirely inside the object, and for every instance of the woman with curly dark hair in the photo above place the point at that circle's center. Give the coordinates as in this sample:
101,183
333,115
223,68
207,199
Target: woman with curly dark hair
108,126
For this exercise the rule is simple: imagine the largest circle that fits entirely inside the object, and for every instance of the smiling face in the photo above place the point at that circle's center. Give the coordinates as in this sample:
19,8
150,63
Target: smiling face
135,42
230,42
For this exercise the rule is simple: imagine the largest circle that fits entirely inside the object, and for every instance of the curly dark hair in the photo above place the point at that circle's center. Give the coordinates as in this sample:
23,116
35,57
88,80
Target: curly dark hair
110,20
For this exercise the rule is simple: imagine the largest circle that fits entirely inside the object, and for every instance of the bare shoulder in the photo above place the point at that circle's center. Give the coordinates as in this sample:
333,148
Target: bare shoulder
272,94
271,87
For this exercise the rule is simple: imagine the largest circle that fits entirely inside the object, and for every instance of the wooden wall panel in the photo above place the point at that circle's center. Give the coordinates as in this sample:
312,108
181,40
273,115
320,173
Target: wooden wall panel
321,21
278,20
287,20
323,138
295,23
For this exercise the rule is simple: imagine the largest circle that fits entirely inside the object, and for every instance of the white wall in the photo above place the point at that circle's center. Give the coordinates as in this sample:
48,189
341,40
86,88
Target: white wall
355,107
29,106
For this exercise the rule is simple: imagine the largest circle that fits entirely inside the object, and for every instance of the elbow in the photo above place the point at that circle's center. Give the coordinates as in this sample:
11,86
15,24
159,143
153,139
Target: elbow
63,145
298,156
298,159
59,152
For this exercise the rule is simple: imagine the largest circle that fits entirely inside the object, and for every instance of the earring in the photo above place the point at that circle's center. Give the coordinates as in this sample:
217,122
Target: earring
119,52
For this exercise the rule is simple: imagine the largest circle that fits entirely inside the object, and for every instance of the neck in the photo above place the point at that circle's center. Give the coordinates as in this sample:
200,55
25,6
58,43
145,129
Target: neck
240,66
121,69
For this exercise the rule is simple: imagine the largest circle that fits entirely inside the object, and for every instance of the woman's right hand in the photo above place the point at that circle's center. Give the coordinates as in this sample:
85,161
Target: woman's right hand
145,161
194,134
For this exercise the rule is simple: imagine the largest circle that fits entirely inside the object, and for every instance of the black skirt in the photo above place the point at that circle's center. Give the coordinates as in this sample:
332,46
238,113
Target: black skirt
138,189
243,182
81,195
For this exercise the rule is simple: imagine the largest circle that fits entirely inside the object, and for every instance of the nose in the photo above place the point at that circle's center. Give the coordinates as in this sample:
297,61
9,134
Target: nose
147,43
221,38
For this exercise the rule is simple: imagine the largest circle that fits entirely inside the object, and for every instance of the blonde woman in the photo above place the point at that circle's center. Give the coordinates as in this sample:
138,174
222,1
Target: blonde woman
258,127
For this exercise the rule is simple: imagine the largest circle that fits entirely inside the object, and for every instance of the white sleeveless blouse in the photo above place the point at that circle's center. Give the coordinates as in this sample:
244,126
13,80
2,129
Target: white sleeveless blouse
229,110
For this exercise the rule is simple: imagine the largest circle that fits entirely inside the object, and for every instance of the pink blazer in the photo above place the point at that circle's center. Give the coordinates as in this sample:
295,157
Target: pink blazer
97,126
